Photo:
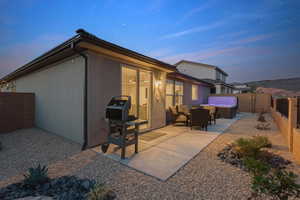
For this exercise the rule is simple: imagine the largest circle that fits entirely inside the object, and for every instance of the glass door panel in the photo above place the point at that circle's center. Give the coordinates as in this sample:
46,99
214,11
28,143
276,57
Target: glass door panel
129,87
145,96
138,84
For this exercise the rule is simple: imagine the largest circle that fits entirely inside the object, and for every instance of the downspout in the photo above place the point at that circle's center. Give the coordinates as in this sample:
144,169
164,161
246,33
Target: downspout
85,116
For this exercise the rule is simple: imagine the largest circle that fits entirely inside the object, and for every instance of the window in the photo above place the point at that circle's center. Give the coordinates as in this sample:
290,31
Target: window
174,93
178,93
194,92
169,93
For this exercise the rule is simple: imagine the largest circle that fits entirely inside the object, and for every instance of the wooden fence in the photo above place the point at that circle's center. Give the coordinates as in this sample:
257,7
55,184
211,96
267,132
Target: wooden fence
16,111
287,118
251,102
282,106
298,112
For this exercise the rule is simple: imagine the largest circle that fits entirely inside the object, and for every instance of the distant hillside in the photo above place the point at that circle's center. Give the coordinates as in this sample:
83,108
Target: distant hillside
292,84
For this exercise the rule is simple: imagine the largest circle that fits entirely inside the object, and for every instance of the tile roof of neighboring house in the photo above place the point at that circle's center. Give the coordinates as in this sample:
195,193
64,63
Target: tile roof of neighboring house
202,64
184,76
83,36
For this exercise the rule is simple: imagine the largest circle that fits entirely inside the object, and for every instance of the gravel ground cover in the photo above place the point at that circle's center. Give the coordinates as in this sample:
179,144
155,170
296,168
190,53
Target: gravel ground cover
28,147
204,177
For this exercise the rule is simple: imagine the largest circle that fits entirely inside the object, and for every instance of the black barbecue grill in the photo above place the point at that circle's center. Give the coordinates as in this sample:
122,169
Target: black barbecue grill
123,128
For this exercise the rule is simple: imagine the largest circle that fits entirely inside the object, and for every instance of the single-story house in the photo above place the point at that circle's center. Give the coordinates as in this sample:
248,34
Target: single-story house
74,81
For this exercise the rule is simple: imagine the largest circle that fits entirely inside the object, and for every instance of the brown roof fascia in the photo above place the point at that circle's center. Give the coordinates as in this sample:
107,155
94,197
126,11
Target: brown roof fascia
82,35
113,47
180,76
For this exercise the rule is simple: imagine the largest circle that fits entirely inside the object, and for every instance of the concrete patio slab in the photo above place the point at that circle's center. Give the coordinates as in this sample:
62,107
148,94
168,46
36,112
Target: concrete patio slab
188,144
157,162
164,156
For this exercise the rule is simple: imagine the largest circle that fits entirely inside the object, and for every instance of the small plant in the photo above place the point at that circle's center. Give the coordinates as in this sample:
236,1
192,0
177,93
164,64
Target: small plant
263,126
251,147
36,176
256,167
262,142
261,117
100,192
279,184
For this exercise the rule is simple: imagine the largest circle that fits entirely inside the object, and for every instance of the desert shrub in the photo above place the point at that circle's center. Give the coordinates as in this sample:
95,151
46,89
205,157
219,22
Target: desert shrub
263,126
261,117
262,142
36,176
279,184
100,192
255,166
251,147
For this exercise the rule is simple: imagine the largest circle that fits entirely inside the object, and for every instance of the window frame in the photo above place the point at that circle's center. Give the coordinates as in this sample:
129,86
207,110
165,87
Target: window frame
195,96
177,97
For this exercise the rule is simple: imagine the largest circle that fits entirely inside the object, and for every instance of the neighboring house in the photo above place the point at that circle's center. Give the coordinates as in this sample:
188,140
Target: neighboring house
208,73
74,81
240,88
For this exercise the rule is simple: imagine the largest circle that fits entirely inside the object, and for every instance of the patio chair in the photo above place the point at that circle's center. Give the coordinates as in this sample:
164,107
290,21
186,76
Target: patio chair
199,117
212,113
178,117
183,109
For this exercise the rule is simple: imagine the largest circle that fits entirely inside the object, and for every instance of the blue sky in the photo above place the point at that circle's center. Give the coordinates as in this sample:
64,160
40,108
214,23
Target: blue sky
250,40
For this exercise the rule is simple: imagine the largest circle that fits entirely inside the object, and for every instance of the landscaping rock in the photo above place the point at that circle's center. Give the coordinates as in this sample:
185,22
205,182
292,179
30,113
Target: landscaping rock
229,155
66,187
36,198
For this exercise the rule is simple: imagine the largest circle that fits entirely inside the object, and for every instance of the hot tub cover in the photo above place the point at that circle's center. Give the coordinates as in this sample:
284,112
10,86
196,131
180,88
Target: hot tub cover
222,101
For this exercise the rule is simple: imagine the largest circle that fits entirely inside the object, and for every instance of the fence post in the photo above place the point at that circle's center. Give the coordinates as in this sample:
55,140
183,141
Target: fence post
292,121
274,104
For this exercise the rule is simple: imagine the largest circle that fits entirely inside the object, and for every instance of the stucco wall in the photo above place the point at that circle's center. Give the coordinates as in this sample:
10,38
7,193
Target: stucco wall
104,77
197,70
104,81
203,93
59,97
158,114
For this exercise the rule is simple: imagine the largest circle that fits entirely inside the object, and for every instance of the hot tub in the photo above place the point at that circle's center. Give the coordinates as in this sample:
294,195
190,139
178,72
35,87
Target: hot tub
226,105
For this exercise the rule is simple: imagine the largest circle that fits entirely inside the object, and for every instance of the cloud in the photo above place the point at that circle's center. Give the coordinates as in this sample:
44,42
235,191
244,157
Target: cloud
19,54
199,55
253,39
156,5
194,30
196,10
158,53
233,34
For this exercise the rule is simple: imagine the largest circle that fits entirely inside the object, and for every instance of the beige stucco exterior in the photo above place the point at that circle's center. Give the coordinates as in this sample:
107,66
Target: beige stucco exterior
197,70
104,81
104,77
203,93
59,93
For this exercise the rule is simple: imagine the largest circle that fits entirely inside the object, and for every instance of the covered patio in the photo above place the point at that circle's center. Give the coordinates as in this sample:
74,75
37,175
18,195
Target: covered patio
162,152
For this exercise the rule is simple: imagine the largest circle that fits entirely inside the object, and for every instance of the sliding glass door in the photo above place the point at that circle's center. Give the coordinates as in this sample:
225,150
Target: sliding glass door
138,84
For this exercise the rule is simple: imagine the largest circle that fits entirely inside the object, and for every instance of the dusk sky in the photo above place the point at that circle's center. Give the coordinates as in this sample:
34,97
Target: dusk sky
250,40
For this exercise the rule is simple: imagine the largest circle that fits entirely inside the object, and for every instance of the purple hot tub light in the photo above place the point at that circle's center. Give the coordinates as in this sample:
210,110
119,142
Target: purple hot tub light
227,105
